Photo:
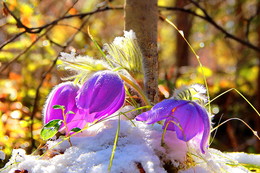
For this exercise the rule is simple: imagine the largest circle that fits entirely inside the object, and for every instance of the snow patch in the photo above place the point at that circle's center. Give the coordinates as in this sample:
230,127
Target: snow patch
138,145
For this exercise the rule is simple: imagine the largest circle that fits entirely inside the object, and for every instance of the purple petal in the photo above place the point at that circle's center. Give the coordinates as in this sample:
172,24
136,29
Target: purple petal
63,94
160,111
101,95
187,118
190,123
78,120
192,120
206,131
114,106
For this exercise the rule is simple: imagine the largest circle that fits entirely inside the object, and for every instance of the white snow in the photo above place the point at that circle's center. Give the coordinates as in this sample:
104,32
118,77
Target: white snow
119,41
246,158
92,153
140,144
2,155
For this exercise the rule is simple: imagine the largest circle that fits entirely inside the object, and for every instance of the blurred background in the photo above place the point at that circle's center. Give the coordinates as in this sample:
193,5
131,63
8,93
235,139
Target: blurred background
224,33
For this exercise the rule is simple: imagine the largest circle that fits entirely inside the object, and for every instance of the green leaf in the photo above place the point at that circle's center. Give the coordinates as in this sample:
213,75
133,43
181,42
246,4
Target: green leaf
58,107
70,112
50,129
76,129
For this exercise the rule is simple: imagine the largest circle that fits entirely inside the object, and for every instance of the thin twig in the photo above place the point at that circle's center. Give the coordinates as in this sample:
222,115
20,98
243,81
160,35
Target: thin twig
36,30
205,17
210,20
80,15
54,42
19,24
25,50
11,39
249,20
37,95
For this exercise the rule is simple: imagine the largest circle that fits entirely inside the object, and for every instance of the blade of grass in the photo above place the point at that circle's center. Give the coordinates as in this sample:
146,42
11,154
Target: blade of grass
231,89
99,48
197,57
128,118
254,132
114,146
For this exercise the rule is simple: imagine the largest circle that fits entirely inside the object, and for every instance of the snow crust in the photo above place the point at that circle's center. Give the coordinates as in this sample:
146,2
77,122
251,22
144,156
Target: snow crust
2,155
137,145
246,158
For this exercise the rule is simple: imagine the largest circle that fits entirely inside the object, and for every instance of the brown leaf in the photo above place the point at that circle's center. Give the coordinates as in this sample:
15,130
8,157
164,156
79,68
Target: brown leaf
21,171
5,11
140,167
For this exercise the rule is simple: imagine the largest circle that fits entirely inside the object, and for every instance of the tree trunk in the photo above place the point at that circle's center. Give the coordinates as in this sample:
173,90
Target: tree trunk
258,87
184,23
141,16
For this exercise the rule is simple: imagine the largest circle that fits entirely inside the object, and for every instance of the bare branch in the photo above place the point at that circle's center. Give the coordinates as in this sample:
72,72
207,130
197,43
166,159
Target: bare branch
36,30
53,42
249,20
33,43
25,50
80,15
11,39
210,20
19,24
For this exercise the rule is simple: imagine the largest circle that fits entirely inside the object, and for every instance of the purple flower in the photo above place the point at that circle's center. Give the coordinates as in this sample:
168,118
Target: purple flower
102,95
64,95
187,118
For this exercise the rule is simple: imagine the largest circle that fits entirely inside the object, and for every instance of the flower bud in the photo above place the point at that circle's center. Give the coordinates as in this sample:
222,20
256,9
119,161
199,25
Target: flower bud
101,95
64,95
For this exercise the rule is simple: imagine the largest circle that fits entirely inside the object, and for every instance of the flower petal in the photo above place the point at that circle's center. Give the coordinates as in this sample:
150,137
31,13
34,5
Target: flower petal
206,131
187,118
190,123
114,106
160,111
101,95
192,120
78,120
63,94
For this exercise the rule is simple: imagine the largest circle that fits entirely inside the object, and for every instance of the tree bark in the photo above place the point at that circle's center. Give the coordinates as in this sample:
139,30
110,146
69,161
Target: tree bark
141,16
184,23
257,145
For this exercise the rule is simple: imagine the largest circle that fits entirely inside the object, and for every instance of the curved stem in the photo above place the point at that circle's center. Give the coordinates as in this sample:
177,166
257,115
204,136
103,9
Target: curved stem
66,126
137,88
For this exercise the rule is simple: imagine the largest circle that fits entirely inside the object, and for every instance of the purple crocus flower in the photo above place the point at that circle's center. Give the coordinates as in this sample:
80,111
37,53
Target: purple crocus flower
64,95
187,118
102,95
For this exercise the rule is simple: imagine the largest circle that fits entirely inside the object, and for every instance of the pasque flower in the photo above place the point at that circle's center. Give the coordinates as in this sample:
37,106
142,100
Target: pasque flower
100,96
187,118
64,95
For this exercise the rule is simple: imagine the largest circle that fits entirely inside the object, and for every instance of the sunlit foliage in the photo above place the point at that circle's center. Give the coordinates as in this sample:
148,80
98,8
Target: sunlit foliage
27,80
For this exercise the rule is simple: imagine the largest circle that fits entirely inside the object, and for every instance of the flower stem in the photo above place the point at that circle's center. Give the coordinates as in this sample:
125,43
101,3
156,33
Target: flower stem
137,88
66,127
